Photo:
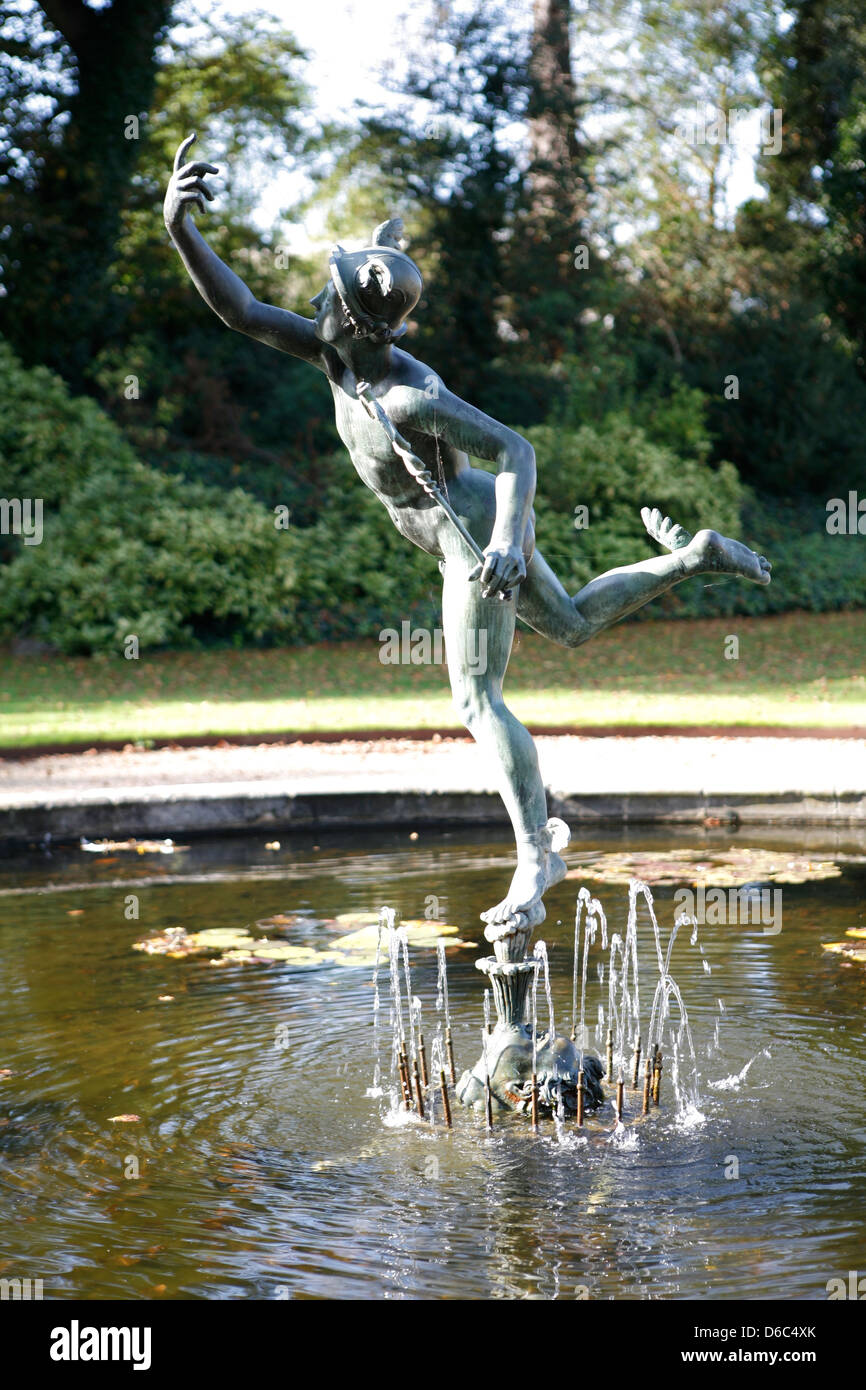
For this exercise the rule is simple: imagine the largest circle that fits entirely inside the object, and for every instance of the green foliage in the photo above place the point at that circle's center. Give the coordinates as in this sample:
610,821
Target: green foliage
126,549
49,439
800,419
613,470
61,192
178,561
355,573
136,552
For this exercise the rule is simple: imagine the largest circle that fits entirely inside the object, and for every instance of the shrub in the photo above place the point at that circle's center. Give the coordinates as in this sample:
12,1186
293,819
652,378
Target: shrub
613,471
139,552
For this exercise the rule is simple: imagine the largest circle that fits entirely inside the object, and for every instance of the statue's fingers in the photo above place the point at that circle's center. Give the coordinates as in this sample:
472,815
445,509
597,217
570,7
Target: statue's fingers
473,574
195,169
198,186
181,151
494,579
193,198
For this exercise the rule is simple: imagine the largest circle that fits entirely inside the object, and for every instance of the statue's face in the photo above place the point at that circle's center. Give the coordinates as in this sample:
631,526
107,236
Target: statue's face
331,321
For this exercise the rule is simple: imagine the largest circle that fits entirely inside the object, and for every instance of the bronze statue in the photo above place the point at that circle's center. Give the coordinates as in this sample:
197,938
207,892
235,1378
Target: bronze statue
401,424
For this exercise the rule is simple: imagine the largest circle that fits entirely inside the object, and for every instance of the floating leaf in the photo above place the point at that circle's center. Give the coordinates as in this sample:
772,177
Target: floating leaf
845,948
238,946
708,867
133,846
123,1119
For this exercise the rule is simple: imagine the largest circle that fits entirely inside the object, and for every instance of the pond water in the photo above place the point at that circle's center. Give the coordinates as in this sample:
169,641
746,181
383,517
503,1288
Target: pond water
258,1167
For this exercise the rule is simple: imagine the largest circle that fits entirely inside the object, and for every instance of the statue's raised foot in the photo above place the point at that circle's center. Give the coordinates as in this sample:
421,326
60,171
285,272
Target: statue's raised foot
717,554
709,552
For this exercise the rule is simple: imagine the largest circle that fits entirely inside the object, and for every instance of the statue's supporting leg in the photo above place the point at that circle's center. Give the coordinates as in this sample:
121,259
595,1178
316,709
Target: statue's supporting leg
478,637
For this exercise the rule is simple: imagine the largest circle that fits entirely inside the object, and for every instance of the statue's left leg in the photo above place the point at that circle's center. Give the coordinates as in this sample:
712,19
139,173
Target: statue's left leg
546,606
478,637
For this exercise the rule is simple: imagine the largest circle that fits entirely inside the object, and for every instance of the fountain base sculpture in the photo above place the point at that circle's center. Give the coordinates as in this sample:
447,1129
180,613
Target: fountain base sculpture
514,1052
508,1060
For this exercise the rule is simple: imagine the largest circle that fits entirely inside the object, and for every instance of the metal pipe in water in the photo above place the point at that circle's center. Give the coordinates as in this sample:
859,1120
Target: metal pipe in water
446,1103
657,1077
419,1094
449,1048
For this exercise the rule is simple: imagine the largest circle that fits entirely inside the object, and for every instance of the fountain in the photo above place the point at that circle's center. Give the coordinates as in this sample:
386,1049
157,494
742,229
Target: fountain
532,1070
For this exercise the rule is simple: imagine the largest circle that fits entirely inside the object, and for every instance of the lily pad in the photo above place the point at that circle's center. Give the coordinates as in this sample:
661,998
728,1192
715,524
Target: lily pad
716,868
238,946
133,846
847,949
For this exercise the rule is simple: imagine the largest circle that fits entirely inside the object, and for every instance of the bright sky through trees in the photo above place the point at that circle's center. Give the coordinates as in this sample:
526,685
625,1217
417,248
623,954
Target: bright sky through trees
351,42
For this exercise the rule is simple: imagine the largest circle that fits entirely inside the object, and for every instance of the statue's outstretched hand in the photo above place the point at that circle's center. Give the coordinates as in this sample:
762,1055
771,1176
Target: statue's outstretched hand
187,185
504,567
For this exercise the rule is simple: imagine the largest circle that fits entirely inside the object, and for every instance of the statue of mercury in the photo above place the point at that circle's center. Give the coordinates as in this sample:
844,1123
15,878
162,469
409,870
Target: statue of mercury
360,315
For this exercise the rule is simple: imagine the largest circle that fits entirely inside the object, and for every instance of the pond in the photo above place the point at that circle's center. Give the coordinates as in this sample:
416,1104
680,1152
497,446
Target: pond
171,1129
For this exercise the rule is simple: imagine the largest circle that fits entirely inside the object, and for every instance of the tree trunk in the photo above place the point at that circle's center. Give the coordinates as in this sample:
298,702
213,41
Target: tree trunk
557,185
57,309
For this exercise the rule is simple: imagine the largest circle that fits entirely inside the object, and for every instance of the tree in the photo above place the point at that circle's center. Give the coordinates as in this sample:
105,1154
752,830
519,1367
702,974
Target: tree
62,204
238,83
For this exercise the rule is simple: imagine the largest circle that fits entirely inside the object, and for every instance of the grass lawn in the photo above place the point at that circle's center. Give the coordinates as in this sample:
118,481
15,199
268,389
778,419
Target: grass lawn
795,669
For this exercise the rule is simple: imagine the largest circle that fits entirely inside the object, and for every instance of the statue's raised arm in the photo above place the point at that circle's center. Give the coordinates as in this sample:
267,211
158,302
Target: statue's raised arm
218,286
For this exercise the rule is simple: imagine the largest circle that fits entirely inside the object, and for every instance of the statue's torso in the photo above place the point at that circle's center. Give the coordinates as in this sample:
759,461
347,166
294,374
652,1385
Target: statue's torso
414,513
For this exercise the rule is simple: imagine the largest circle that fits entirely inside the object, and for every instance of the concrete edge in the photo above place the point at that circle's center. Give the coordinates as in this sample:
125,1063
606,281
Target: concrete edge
177,815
